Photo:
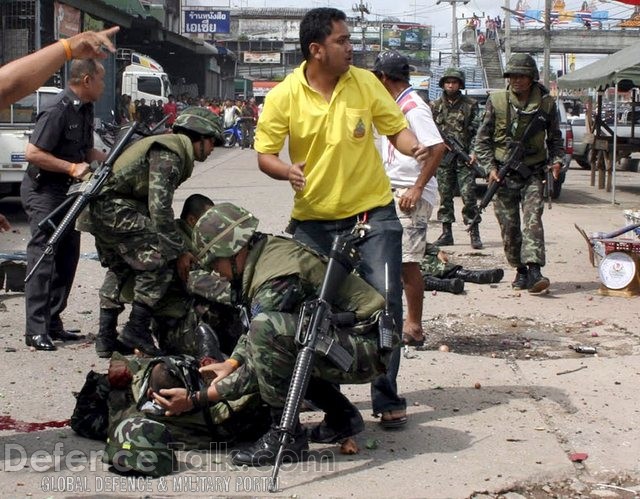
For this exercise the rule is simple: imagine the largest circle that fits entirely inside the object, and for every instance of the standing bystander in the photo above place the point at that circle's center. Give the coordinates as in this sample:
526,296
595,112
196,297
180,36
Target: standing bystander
59,153
413,184
327,109
22,76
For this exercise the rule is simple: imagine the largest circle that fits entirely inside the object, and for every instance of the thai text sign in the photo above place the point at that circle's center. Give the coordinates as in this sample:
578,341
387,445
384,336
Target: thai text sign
206,21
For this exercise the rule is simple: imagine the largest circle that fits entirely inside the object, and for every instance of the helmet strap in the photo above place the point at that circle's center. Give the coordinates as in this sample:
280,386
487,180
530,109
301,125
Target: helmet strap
236,281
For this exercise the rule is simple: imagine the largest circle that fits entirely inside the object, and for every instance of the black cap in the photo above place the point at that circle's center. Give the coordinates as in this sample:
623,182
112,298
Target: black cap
393,64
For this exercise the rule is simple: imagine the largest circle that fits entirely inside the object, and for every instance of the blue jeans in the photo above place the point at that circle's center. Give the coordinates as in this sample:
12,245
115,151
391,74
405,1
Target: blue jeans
382,244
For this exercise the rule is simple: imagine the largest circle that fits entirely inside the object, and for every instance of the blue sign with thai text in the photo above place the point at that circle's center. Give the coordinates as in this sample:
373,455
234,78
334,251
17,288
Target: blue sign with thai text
206,21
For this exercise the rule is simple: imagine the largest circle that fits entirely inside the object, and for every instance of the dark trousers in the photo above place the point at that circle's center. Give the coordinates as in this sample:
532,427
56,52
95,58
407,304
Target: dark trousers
47,291
382,244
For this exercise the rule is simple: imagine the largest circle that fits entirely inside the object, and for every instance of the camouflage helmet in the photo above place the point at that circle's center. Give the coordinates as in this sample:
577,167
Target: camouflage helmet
522,64
452,73
222,231
140,445
201,121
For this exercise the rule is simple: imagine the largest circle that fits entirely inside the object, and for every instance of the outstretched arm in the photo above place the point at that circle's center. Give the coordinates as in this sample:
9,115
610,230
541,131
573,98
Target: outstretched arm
25,75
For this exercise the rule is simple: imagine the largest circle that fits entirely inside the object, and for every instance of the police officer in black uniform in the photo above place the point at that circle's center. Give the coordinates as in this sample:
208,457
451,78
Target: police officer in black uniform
59,153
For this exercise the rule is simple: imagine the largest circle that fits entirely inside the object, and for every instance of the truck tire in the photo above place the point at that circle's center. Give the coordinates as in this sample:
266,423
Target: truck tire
583,161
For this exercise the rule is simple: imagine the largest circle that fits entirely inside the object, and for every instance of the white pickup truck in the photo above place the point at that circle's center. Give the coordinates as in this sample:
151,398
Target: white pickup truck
16,126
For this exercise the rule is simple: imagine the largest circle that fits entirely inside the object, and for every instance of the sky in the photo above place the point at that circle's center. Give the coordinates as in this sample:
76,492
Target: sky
439,16
426,11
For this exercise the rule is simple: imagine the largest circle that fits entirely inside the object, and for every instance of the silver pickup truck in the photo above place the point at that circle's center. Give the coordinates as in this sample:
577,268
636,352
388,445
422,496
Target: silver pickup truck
16,126
583,138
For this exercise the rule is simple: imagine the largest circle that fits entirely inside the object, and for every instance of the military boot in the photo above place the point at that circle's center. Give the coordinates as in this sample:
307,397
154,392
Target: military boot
455,285
208,343
480,276
137,333
537,282
107,339
474,234
446,238
264,451
522,279
342,419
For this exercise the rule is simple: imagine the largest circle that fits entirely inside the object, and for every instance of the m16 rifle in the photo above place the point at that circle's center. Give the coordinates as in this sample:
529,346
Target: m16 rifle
81,194
456,149
513,162
315,320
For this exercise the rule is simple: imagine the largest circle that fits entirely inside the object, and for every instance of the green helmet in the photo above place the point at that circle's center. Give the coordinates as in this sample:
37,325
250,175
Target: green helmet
452,73
522,64
222,231
140,445
201,121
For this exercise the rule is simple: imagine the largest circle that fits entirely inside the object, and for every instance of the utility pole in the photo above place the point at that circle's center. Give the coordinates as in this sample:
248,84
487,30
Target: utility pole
507,30
362,8
455,52
547,43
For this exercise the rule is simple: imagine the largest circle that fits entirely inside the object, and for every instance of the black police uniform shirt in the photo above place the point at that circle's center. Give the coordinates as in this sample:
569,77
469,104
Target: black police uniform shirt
65,129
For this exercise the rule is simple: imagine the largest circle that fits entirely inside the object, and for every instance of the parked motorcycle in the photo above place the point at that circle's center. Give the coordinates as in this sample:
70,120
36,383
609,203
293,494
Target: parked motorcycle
241,133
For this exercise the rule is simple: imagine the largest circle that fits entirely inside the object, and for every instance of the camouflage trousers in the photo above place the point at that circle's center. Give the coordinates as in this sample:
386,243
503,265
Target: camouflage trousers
273,353
523,239
430,265
448,176
128,247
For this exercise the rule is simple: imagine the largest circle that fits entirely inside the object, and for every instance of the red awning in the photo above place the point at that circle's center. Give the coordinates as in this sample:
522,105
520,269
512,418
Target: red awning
630,2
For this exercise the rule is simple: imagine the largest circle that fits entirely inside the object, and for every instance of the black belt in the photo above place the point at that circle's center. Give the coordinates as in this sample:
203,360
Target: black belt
39,175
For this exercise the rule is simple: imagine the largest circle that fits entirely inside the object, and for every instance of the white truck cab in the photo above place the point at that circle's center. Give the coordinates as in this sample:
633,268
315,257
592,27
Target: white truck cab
16,126
142,77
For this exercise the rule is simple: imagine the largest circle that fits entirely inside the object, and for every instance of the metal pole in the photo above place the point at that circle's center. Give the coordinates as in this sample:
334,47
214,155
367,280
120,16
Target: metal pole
547,43
455,53
615,144
507,30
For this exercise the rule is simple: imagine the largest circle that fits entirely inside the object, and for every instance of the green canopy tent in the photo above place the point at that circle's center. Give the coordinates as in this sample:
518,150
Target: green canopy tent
621,69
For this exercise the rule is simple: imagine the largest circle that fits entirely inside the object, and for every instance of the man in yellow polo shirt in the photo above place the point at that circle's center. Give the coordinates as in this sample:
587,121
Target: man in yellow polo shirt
328,109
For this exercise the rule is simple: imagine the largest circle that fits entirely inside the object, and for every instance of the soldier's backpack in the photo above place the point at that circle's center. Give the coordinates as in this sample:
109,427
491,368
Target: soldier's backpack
90,416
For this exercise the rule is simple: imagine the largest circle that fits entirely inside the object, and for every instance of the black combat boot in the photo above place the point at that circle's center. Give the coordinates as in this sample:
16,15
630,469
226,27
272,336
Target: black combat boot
264,451
474,234
342,419
455,285
446,238
522,279
137,333
480,276
208,343
537,282
107,339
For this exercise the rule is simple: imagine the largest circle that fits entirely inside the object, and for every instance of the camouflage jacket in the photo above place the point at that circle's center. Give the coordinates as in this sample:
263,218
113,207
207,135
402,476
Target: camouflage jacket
505,119
145,178
281,274
459,118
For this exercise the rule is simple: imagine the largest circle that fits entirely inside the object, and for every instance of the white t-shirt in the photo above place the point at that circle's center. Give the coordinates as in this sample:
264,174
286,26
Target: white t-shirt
230,115
404,170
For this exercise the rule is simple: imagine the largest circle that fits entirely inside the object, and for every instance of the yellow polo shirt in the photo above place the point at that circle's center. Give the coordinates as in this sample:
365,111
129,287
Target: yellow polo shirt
344,171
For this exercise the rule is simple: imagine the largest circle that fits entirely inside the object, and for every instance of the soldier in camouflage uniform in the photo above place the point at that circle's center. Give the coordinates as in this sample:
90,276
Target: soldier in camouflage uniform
456,116
133,223
439,274
506,117
274,276
182,324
